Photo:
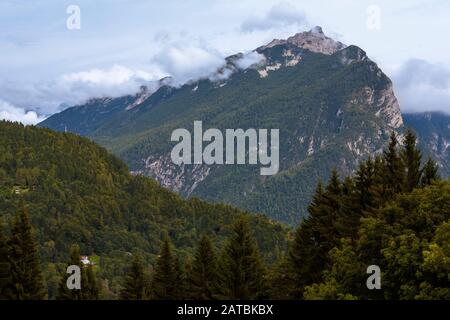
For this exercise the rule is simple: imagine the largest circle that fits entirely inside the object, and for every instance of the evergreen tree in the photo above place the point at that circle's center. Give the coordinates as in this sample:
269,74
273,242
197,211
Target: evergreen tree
394,171
165,274
316,236
430,172
135,283
5,266
350,212
26,272
326,213
203,276
241,268
411,157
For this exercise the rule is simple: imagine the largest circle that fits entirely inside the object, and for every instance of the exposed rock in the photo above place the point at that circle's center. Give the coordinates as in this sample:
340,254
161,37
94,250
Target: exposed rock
314,40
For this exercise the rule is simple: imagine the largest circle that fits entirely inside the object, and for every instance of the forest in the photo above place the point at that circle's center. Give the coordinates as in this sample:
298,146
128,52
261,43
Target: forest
63,197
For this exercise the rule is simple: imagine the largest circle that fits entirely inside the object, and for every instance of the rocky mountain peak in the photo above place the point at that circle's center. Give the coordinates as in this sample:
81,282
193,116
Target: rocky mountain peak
313,40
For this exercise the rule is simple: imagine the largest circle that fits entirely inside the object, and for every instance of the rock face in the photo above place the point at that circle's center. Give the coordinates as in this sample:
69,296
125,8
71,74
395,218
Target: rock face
332,105
313,40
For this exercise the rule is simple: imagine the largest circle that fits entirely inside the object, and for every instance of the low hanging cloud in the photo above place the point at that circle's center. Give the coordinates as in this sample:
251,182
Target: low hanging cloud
280,15
47,97
184,63
12,113
422,86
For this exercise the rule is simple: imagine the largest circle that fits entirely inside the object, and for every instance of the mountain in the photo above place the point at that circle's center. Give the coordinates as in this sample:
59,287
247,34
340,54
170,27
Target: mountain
433,131
332,104
78,193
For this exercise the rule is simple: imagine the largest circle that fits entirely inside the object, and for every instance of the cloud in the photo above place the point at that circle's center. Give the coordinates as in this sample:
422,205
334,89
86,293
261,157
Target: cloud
280,15
250,59
117,75
46,97
188,62
12,113
422,86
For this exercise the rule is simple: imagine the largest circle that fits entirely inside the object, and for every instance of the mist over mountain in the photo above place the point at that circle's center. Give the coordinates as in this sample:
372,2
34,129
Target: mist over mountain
333,105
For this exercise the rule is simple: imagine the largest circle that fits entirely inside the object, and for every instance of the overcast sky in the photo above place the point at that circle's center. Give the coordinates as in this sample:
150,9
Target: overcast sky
121,45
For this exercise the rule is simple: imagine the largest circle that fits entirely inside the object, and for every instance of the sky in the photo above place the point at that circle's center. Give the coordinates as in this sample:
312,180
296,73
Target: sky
55,53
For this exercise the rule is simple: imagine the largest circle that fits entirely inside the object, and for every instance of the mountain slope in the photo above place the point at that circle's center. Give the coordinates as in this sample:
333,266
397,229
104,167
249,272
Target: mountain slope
76,192
332,104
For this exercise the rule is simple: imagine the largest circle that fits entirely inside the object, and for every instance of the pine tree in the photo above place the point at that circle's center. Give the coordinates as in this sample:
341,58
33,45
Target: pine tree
203,276
241,268
326,214
135,283
411,157
394,174
164,276
5,267
26,273
350,211
430,173
316,236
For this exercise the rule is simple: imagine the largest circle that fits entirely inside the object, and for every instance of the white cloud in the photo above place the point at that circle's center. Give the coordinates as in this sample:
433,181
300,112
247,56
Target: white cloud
46,97
422,86
280,15
189,62
117,75
12,113
250,59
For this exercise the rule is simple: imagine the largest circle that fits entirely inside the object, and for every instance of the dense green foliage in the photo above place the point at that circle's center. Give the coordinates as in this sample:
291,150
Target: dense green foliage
77,193
393,212
387,216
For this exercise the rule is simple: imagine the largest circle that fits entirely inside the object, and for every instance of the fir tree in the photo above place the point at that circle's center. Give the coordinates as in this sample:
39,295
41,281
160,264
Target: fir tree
326,213
394,170
165,276
430,172
26,273
411,157
135,283
316,236
241,268
5,267
203,276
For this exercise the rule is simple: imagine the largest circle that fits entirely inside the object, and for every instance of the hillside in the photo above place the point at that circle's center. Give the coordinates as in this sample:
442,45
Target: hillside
332,104
78,193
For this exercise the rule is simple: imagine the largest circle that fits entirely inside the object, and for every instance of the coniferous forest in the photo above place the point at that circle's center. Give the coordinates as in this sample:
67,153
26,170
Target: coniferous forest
62,198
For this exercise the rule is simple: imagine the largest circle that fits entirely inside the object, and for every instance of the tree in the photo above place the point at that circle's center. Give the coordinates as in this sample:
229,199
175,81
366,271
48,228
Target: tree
164,276
135,283
394,170
26,273
316,236
5,266
203,276
411,157
430,172
241,268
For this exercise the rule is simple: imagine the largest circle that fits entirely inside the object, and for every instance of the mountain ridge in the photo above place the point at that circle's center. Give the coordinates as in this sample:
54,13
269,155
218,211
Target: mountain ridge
334,107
